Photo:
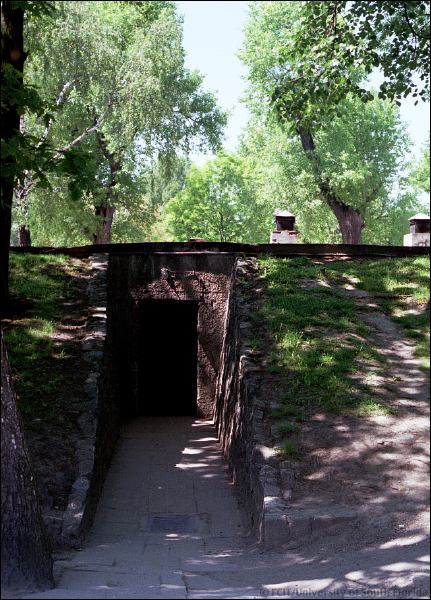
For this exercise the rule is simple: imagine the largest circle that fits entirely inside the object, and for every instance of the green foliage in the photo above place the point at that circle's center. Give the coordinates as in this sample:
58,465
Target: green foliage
217,204
282,179
420,175
35,8
323,50
361,156
37,283
402,288
22,150
122,64
360,147
55,220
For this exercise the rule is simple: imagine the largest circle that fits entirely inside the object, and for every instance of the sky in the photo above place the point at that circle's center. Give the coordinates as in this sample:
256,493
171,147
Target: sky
213,34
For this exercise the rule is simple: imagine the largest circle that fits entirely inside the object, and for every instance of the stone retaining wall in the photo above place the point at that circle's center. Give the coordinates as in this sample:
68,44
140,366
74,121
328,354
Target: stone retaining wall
241,416
94,422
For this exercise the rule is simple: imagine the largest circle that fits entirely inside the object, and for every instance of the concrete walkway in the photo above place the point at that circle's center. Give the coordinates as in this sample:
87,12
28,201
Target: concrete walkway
168,526
167,507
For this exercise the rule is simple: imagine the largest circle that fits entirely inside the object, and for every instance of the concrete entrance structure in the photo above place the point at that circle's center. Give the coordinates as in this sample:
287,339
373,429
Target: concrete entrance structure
134,282
167,524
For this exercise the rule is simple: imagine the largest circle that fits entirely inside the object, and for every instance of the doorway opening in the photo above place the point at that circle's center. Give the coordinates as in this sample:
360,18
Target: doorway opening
167,358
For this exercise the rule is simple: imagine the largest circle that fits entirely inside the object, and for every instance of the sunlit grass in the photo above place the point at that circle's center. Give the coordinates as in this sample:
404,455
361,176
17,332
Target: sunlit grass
320,344
400,286
38,284
368,407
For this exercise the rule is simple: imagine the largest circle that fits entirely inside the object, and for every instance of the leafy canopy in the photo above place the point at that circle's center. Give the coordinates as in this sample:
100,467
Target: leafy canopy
420,175
361,154
360,148
123,63
217,204
333,45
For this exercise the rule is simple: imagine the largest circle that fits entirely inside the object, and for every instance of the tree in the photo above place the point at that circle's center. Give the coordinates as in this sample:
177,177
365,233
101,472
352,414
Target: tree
26,562
217,204
327,136
282,179
20,151
59,162
361,155
12,23
127,75
420,174
12,66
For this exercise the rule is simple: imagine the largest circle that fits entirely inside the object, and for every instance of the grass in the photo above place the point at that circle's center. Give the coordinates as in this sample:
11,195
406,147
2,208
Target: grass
319,343
290,449
399,284
38,285
286,428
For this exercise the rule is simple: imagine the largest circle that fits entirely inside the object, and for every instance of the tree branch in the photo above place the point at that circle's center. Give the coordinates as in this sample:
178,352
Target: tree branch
60,100
409,23
92,129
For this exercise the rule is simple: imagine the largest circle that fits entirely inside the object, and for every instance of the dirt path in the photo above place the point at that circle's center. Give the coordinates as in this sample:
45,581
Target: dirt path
373,467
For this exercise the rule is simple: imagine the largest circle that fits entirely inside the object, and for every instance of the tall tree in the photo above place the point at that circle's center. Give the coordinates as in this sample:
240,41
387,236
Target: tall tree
312,107
127,68
26,562
362,156
20,151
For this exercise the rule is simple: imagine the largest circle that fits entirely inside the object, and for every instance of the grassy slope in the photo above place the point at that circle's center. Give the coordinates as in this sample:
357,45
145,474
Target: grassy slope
319,342
400,285
38,283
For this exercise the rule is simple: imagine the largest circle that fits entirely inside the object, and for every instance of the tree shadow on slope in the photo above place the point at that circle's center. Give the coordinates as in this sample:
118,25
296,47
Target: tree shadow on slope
351,420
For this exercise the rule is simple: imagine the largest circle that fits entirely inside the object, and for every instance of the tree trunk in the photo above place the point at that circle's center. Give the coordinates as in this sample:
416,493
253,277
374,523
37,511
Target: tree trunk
106,210
24,237
5,229
26,562
12,42
106,215
23,186
349,219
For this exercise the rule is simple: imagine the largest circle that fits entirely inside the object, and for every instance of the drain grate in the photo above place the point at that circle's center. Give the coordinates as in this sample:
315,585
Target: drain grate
169,523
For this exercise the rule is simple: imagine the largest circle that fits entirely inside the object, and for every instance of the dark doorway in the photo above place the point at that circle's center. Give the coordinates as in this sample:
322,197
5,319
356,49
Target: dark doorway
167,358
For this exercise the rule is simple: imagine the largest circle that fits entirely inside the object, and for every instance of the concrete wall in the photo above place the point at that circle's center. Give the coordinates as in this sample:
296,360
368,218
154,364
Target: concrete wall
200,277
